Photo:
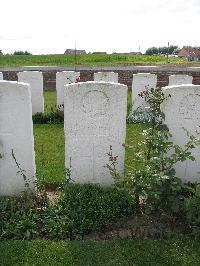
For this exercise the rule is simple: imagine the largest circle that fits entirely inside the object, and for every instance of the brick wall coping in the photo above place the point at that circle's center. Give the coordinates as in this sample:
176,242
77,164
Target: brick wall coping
104,68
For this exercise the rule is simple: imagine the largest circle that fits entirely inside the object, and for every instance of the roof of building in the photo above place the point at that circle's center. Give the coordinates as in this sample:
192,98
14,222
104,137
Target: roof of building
72,51
189,52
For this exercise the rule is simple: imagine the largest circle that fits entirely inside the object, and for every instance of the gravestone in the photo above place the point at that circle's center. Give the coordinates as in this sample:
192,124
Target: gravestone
180,79
1,76
63,78
142,82
16,138
35,79
97,121
106,76
182,115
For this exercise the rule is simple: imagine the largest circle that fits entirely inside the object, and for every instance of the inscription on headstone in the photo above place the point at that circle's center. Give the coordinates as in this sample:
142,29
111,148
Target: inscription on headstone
97,121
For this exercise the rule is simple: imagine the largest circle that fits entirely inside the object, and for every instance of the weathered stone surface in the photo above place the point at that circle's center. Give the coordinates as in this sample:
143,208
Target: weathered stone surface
1,76
63,78
182,115
180,79
142,82
106,76
16,136
97,121
35,79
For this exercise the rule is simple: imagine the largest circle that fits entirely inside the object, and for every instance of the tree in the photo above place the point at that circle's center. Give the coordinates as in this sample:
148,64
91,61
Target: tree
21,53
161,50
152,51
1,52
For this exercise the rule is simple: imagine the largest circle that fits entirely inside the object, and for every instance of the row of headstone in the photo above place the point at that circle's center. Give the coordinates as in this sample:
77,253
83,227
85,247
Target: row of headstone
35,79
145,81
97,121
182,114
67,77
141,82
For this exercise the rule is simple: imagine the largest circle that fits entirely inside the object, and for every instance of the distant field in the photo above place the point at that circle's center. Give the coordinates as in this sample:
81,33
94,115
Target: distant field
86,60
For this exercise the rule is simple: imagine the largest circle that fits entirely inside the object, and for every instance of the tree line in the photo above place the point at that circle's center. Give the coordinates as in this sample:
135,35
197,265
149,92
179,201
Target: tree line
17,53
172,49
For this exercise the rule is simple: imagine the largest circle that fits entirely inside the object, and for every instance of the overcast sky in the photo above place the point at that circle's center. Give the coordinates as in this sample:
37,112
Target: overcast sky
51,26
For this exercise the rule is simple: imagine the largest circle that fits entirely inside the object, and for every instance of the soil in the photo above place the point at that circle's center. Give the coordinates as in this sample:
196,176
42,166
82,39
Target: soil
139,227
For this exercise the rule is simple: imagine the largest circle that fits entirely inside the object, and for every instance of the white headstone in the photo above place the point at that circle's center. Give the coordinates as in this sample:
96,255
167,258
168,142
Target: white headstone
16,134
182,115
35,79
180,79
1,76
63,78
106,76
97,121
142,82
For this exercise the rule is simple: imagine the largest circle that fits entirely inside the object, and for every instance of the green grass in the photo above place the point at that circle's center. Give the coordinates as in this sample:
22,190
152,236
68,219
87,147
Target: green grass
86,60
50,156
50,100
183,252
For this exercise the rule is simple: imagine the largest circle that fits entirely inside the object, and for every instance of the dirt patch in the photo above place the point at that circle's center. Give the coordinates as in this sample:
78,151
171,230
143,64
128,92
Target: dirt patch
139,227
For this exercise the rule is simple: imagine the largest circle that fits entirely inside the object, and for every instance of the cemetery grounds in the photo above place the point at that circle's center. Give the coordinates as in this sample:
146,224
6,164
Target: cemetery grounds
49,148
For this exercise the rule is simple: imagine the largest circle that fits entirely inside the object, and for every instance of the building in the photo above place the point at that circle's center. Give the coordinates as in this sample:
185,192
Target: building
130,53
191,54
99,53
72,51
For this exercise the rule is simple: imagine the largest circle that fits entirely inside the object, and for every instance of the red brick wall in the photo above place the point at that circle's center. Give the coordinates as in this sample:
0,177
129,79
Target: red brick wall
125,76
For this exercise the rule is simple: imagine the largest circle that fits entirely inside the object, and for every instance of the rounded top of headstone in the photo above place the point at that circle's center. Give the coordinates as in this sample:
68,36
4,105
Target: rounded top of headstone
181,87
105,72
68,73
180,75
96,83
144,75
14,86
30,74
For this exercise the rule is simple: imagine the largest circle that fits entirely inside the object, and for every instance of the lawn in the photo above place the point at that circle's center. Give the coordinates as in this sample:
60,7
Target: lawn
87,60
183,251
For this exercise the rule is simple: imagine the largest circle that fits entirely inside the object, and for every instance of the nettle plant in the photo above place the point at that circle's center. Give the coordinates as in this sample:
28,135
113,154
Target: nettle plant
150,178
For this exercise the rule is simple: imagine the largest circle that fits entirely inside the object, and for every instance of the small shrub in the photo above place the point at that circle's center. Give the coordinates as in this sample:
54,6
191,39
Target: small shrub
54,117
81,209
90,207
150,179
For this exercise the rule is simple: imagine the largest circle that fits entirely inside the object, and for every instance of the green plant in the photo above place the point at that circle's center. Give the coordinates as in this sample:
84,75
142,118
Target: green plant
151,171
53,117
90,207
192,210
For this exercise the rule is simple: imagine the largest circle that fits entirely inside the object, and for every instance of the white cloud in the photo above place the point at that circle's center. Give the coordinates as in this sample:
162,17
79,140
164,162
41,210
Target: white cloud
50,26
